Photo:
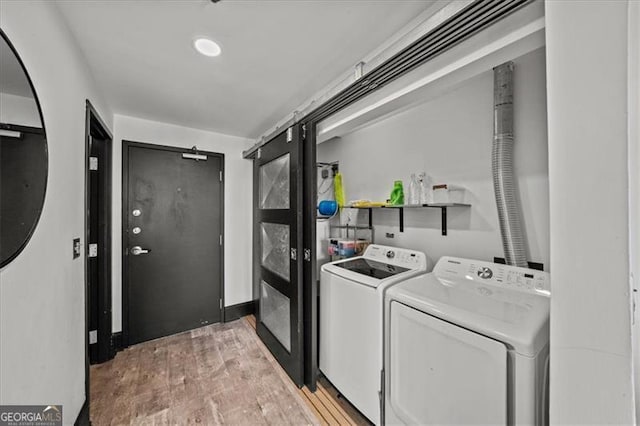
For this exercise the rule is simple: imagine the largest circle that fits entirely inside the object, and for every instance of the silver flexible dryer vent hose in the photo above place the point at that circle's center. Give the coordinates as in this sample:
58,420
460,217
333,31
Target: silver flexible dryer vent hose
502,166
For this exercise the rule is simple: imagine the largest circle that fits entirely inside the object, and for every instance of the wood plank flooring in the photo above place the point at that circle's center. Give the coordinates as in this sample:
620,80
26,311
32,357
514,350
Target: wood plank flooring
218,374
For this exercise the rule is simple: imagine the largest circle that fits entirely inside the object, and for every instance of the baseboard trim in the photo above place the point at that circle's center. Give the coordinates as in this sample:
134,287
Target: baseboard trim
231,313
116,342
234,312
83,415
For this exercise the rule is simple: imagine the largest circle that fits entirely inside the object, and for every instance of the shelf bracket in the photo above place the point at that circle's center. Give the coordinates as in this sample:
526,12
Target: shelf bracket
444,220
401,213
370,218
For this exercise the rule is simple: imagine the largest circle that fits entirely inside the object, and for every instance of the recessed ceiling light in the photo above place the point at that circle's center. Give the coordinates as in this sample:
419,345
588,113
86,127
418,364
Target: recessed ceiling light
207,47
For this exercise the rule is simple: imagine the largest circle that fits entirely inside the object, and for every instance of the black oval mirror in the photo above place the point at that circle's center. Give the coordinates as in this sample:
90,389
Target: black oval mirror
23,155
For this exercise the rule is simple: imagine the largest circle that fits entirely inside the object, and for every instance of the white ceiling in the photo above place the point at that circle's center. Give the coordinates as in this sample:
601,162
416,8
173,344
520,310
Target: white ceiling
12,77
275,54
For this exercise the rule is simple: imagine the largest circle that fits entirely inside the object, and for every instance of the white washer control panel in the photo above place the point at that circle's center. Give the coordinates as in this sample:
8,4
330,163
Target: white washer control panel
410,259
505,276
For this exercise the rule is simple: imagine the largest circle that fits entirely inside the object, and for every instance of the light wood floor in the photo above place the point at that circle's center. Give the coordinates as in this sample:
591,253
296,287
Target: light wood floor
218,374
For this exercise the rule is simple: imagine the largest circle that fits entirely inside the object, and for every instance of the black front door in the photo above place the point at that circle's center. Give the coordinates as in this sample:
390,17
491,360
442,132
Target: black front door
278,250
172,225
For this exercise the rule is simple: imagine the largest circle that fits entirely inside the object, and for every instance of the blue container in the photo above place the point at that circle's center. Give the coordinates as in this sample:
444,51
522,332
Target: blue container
327,207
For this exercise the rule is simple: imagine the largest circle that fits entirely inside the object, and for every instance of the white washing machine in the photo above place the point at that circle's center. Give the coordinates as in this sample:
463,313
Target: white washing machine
351,320
467,343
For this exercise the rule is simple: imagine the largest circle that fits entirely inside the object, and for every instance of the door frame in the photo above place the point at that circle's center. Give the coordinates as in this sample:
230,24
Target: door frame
126,144
93,121
310,272
95,124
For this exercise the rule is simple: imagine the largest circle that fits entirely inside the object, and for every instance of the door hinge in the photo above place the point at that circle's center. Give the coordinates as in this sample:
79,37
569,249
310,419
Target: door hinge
93,250
220,304
294,254
220,239
289,134
307,255
93,337
93,163
259,154
220,175
304,132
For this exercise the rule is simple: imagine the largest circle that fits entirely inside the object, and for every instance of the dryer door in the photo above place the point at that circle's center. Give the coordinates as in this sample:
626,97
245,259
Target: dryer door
438,373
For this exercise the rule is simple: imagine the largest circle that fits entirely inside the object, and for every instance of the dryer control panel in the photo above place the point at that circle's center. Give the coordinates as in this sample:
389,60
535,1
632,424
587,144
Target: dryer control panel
511,277
410,259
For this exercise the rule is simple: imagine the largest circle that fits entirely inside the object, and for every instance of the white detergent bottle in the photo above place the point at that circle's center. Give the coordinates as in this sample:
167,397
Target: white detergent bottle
426,192
413,196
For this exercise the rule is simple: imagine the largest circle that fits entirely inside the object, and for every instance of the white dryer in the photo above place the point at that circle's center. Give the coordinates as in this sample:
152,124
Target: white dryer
351,320
467,343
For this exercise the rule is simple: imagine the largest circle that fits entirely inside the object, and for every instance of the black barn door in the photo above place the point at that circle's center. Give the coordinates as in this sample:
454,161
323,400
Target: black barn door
278,249
173,235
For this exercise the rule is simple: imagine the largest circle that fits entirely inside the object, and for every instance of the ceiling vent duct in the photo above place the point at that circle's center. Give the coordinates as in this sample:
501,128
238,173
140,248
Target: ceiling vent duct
504,184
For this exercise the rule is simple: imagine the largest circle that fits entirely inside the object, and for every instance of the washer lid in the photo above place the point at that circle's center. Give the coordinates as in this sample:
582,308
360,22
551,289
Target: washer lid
370,278
517,316
379,264
371,268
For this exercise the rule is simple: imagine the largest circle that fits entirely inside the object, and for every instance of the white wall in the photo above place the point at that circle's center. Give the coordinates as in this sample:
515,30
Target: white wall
591,374
450,138
238,214
19,110
42,299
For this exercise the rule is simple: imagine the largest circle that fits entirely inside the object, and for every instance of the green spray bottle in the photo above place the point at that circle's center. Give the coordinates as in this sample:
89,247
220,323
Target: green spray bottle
397,194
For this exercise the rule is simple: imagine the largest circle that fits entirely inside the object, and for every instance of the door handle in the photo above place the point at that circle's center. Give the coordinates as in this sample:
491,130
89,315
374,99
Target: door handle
137,250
